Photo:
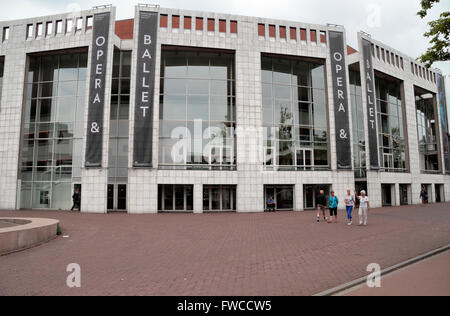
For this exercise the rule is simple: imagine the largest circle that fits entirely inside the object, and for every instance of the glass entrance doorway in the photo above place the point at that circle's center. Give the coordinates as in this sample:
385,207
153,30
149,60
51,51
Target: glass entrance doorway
405,194
386,194
283,196
117,197
311,191
175,198
219,198
439,189
361,186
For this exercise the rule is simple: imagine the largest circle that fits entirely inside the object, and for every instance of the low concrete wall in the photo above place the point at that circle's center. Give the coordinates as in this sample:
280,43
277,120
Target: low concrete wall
28,232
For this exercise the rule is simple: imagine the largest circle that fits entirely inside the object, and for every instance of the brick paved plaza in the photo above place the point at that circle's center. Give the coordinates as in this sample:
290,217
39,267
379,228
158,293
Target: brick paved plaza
218,254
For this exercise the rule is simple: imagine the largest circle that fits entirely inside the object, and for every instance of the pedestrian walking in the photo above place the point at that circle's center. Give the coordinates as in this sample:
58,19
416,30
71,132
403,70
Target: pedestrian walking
333,203
321,201
349,205
364,208
76,198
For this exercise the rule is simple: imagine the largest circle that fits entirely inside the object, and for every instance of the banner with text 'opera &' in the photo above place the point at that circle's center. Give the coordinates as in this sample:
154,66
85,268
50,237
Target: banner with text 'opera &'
341,101
99,60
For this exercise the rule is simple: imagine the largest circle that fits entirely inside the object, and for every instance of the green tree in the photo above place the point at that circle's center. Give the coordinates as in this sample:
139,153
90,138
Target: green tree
439,33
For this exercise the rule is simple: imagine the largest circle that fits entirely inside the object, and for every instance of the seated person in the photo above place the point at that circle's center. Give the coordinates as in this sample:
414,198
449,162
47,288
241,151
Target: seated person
271,204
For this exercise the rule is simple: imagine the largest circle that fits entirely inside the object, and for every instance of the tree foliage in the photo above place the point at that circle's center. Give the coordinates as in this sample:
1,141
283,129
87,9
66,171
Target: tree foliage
439,33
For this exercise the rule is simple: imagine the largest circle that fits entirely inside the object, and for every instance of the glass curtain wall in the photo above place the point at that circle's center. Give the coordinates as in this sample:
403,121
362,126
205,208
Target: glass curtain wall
119,118
197,110
426,131
295,117
359,140
391,128
53,129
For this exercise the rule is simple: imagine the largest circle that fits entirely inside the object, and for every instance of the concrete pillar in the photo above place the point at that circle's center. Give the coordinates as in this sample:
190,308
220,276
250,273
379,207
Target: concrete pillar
298,197
198,198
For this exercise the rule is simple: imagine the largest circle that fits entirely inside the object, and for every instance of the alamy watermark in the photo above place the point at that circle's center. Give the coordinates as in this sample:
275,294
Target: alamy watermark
374,278
74,278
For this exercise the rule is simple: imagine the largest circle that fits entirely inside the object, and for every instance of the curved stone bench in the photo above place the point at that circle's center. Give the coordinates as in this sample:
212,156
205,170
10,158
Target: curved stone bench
24,233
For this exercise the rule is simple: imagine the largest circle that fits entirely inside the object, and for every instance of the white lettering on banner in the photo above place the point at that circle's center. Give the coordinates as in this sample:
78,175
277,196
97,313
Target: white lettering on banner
100,41
95,129
100,53
145,97
97,99
144,83
144,110
369,96
98,82
99,69
147,55
144,65
145,94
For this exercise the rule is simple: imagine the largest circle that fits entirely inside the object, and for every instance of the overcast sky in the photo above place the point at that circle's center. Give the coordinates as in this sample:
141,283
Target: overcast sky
393,22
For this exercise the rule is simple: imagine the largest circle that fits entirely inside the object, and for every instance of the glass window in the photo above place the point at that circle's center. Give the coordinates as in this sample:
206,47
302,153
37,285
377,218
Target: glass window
66,109
219,198
119,118
51,101
59,27
198,108
294,103
427,131
69,26
177,198
197,92
391,128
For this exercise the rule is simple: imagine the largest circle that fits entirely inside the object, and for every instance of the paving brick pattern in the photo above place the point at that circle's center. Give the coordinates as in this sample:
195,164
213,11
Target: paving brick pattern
218,254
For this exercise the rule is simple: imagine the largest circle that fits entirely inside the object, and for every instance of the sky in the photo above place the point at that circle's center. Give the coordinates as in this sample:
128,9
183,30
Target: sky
393,22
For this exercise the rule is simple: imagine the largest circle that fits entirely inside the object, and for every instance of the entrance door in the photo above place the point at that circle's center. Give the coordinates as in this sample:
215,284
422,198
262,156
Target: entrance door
117,197
438,193
311,191
404,194
283,196
179,198
175,198
361,186
110,202
309,197
386,194
122,197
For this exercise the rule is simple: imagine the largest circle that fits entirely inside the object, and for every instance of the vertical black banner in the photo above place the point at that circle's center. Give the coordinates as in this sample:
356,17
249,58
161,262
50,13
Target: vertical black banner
371,109
99,59
145,89
444,121
341,104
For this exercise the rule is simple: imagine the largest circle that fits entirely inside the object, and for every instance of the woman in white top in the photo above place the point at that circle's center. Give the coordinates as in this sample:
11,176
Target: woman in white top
364,208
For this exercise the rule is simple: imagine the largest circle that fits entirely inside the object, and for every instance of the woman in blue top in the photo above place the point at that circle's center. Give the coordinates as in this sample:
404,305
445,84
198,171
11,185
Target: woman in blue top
333,202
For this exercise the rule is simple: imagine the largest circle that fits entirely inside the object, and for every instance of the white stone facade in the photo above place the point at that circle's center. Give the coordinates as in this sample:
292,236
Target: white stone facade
250,177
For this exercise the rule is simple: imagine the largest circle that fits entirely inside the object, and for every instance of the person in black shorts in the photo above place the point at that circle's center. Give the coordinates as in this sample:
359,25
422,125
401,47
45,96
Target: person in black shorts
321,201
333,203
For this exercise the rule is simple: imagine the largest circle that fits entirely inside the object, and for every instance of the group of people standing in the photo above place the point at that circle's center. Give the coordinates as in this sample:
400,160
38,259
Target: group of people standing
352,202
